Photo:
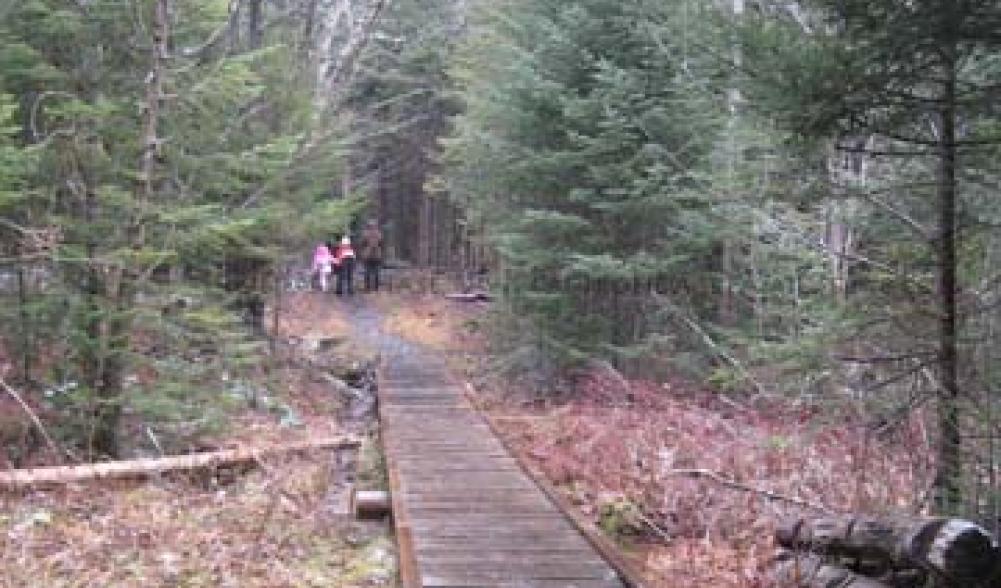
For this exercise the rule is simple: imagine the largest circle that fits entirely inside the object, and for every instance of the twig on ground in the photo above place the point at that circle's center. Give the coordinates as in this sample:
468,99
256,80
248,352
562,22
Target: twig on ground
733,484
654,526
152,437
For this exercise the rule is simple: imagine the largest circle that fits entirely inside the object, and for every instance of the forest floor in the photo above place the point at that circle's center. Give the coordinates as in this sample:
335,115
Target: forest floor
689,482
284,523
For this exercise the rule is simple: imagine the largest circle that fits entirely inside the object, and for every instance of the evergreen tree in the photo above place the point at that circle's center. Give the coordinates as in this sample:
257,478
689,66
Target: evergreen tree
904,87
171,175
584,149
399,106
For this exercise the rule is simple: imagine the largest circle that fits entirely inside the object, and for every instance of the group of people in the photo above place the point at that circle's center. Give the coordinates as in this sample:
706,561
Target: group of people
338,257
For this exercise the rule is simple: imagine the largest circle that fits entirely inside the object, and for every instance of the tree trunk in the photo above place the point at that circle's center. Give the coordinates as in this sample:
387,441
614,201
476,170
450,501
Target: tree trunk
726,305
111,327
948,478
255,27
26,341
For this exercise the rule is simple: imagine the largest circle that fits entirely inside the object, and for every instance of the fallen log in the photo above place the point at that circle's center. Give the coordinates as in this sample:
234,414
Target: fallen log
143,468
371,504
470,296
807,570
959,551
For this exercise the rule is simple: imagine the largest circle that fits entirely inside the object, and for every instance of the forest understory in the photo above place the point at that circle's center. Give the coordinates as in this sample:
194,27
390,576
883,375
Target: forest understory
690,483
718,263
283,522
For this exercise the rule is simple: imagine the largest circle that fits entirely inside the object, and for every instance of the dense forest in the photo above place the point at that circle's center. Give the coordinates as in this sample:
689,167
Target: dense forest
778,201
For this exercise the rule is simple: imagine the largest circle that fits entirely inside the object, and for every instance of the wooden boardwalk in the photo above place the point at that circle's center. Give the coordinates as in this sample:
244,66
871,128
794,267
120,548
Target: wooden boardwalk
466,514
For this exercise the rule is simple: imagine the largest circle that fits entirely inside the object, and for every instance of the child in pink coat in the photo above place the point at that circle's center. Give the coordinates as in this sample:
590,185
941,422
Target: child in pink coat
323,261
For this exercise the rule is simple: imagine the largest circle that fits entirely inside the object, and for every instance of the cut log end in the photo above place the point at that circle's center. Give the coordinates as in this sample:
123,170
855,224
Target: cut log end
960,550
371,504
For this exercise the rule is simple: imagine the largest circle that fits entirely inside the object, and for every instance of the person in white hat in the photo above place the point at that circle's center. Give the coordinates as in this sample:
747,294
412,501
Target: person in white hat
345,277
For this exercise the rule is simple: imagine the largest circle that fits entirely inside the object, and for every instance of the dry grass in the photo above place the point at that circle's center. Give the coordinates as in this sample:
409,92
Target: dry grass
433,321
625,464
311,315
273,527
278,525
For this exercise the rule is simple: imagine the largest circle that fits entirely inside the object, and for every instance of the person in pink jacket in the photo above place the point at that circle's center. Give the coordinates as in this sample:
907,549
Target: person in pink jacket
323,261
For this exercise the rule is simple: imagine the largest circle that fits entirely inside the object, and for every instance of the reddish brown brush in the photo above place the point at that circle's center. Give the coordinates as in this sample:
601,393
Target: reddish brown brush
705,480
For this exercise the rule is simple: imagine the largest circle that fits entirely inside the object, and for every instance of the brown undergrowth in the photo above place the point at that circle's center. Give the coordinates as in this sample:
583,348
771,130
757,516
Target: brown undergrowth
697,483
691,481
272,527
281,524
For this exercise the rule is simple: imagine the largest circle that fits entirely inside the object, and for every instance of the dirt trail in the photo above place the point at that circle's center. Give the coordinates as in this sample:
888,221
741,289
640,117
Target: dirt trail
368,330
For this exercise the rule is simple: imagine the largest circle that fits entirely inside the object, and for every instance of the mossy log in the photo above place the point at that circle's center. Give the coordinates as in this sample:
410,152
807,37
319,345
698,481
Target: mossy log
956,550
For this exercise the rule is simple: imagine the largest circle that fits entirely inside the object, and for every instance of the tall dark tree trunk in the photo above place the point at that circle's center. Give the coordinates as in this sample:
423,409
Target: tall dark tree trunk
236,15
256,28
26,341
947,481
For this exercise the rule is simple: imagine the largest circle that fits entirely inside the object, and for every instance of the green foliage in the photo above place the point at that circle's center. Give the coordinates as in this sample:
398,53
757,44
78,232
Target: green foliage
141,290
585,148
619,517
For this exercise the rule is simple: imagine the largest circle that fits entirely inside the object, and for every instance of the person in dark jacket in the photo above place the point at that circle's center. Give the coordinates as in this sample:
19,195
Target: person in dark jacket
346,256
370,247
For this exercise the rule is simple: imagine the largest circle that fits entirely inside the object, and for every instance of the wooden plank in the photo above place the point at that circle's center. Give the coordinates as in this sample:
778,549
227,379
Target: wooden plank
532,583
529,525
464,511
510,570
512,500
502,559
406,555
474,548
470,468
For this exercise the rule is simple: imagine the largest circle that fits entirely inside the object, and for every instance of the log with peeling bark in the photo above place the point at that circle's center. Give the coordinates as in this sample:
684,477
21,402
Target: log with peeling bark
808,570
958,551
143,468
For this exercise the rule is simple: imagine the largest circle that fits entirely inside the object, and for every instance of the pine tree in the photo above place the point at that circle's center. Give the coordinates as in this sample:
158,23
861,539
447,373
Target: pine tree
907,86
399,105
173,172
584,149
